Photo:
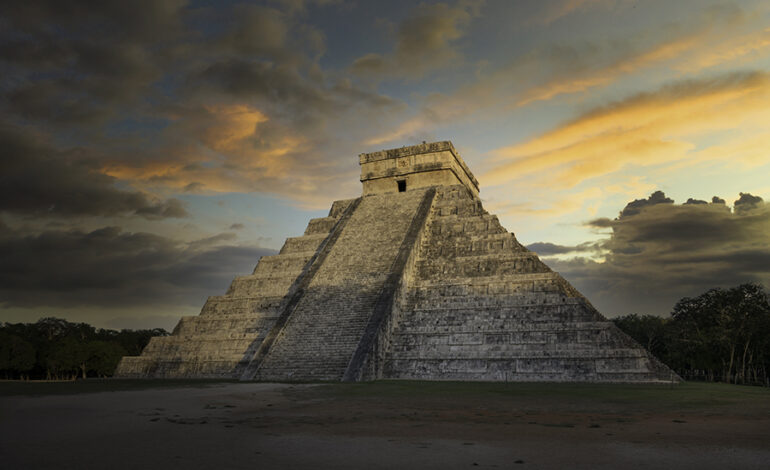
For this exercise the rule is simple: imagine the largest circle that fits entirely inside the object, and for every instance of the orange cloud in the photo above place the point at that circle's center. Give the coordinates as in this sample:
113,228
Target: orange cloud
234,148
547,207
565,7
230,126
648,129
609,74
507,88
728,50
549,73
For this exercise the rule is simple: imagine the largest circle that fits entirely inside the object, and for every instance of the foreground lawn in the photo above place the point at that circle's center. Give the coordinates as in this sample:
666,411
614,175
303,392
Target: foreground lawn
572,397
199,424
38,388
580,397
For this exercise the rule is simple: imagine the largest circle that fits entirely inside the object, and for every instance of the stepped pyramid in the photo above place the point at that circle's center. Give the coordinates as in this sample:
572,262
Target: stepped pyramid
412,280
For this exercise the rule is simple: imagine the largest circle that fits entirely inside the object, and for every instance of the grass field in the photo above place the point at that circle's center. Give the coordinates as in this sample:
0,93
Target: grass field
685,396
384,424
688,396
39,388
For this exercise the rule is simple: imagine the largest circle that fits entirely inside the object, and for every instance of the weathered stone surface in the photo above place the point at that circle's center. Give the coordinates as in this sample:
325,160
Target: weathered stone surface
419,166
413,280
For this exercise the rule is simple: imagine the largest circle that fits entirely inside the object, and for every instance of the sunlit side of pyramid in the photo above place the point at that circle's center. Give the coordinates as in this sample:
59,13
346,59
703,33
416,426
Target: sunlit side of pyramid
412,280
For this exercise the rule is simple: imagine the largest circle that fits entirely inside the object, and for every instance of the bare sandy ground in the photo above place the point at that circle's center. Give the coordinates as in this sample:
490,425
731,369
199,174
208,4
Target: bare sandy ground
272,426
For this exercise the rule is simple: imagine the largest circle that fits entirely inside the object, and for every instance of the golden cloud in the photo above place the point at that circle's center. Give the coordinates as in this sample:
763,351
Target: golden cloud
233,148
529,79
555,206
727,50
609,74
563,8
230,126
647,129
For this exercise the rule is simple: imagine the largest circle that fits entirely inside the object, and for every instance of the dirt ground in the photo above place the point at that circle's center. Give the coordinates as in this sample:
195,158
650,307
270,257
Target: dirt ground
383,425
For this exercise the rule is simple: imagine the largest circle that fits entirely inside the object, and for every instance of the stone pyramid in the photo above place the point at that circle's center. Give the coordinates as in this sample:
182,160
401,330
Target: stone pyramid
412,280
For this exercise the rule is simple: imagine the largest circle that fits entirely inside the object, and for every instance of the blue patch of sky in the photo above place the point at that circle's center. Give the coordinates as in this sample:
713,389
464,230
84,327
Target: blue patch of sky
146,126
364,22
263,216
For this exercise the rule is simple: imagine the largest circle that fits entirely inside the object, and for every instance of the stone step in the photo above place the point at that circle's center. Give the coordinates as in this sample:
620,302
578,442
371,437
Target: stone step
303,243
544,370
338,207
538,278
191,368
320,225
203,341
493,323
283,264
501,287
238,324
515,322
472,300
465,246
247,306
251,285
532,351
480,266
467,224
408,339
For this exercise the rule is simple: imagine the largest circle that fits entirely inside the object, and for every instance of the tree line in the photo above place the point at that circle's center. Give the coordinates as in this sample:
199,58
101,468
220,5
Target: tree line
53,348
722,335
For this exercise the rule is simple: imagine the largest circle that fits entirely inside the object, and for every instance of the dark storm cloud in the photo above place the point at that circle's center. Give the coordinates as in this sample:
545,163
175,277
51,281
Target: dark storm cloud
109,267
139,86
660,251
124,86
72,62
747,203
423,41
634,207
148,19
38,180
260,80
546,249
695,201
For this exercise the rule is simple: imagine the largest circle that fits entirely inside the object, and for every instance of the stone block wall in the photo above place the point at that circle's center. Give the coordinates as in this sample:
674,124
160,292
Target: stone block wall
482,307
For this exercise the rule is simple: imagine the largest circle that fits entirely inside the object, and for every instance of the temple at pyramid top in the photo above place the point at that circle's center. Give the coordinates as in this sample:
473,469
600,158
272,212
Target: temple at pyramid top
417,166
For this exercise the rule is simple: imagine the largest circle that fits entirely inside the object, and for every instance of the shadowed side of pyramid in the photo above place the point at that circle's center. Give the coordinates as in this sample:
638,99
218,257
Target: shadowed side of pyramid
412,280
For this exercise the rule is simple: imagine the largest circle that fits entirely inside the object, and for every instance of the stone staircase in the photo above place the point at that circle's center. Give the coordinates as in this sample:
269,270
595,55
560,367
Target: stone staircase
324,331
216,342
483,307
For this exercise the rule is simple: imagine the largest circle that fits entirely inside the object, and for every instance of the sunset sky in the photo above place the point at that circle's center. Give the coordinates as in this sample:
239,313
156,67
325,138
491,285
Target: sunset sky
152,150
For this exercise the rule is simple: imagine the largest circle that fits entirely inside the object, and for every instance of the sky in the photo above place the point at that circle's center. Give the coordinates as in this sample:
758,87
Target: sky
152,150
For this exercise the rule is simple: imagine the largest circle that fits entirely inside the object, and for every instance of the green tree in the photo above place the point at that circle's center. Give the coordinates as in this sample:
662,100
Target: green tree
17,357
723,334
102,357
68,358
647,330
63,349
